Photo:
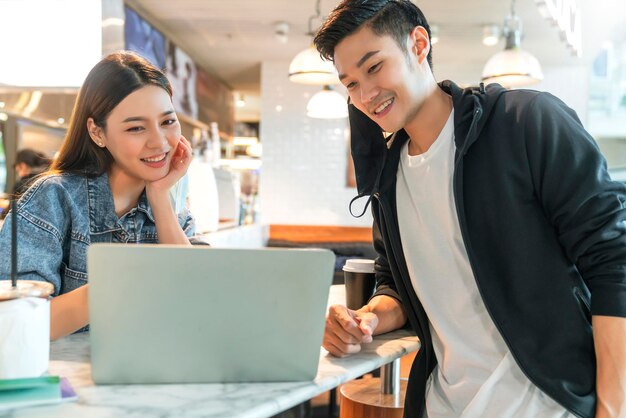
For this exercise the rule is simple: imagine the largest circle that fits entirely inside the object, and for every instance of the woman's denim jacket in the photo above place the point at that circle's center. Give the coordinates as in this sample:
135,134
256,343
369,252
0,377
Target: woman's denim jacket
60,216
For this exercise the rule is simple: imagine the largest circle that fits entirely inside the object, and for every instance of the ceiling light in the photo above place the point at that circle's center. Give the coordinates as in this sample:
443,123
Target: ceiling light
434,34
512,67
239,100
327,104
491,35
308,67
281,30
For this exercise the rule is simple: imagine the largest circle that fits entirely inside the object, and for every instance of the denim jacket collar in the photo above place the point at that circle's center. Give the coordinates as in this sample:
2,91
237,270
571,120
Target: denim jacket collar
144,206
102,216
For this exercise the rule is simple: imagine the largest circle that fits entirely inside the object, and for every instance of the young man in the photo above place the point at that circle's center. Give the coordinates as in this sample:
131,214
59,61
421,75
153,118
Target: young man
500,234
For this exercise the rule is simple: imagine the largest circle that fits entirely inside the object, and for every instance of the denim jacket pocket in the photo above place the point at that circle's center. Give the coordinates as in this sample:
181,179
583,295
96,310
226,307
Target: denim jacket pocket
72,279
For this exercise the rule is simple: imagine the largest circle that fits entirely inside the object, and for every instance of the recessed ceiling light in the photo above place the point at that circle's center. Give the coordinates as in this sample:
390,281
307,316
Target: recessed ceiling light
240,101
491,35
281,30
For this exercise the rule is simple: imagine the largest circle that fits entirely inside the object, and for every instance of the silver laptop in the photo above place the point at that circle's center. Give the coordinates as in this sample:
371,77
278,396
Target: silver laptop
173,314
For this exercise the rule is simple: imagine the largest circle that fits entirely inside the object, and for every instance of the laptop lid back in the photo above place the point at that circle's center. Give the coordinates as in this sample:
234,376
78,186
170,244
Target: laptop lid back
173,314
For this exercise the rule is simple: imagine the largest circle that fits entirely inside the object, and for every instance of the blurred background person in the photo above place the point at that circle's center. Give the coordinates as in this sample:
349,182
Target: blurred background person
28,164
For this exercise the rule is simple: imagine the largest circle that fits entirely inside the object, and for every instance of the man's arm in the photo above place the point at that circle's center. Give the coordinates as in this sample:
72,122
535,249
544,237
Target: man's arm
609,334
588,213
346,330
389,312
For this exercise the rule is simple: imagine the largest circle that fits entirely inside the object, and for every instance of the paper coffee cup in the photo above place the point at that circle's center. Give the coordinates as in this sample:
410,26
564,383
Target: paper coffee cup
24,330
360,281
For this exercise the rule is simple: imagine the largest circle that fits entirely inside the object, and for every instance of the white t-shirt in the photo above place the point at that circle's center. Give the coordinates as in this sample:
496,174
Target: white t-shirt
476,376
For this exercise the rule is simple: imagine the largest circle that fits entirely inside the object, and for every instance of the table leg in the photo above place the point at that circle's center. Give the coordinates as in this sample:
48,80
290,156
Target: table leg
390,378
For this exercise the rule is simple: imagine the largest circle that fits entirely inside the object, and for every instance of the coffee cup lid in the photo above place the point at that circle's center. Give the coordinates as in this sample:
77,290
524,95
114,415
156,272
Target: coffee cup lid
24,289
359,265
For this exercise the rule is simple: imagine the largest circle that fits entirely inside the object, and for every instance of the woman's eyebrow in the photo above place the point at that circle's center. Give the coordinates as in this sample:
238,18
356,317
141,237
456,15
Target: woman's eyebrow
141,118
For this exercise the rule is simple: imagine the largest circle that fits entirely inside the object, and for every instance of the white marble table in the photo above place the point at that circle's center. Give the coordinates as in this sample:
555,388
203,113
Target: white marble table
70,358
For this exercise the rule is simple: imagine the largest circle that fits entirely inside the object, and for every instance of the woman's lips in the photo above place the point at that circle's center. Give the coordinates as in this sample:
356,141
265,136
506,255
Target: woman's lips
155,161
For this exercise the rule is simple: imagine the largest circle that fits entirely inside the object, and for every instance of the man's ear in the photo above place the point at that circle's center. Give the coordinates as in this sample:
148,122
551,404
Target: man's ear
419,42
95,132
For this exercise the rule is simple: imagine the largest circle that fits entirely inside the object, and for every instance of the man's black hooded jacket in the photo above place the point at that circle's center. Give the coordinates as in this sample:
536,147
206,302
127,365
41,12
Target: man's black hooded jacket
542,224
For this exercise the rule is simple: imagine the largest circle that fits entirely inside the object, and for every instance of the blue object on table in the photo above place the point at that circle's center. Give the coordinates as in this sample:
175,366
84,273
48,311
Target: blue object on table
26,392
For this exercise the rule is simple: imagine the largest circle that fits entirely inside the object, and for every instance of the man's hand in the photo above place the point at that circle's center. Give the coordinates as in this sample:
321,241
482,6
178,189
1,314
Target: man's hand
346,330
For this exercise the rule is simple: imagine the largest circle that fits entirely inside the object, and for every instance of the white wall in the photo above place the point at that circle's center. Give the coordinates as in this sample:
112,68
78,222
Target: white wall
303,178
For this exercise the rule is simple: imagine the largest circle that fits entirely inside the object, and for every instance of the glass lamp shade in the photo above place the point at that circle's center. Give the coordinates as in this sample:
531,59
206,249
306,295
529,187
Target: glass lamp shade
512,68
327,104
309,68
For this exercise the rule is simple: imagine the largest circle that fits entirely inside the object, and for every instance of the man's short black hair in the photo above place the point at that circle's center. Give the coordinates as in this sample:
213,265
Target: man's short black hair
385,17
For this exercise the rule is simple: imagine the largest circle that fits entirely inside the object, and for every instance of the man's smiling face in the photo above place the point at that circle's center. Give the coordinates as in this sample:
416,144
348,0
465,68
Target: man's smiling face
384,81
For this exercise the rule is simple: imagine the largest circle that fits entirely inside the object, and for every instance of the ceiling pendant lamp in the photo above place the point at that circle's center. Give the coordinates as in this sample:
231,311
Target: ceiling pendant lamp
512,67
327,104
308,67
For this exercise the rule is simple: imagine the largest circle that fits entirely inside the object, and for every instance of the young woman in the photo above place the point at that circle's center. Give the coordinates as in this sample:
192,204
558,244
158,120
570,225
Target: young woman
110,183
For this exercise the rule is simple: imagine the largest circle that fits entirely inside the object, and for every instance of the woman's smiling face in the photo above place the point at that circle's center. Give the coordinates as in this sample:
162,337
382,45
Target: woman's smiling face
142,133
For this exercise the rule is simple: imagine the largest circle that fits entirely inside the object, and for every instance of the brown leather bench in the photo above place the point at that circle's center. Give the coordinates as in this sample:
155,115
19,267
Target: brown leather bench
345,241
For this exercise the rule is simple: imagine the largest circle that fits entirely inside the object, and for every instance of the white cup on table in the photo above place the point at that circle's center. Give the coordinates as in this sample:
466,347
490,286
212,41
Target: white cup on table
24,329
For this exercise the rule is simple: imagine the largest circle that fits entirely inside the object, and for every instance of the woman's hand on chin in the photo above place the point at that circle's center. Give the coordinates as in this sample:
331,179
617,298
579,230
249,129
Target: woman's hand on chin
181,158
